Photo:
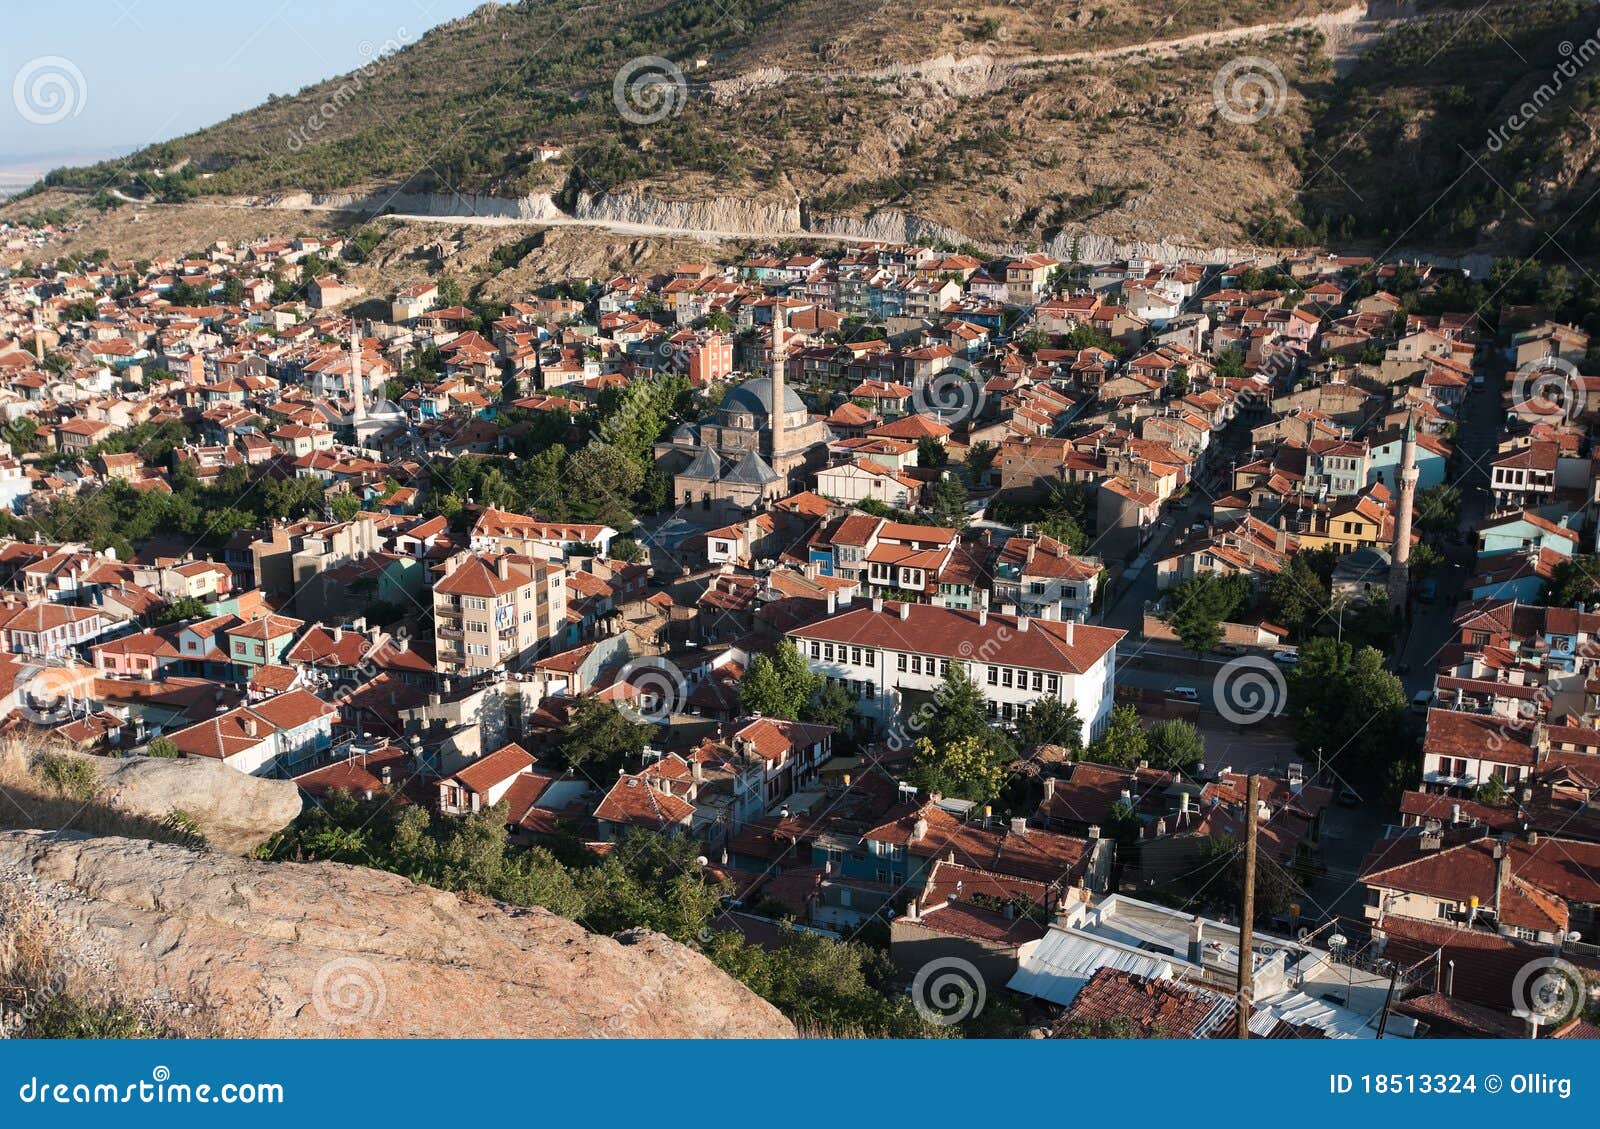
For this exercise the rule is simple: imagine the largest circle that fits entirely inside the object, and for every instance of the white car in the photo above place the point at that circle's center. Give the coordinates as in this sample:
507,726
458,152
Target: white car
1287,658
1421,701
1184,693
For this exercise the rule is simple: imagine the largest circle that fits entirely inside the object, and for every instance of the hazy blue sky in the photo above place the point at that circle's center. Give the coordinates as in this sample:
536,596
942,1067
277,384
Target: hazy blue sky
137,71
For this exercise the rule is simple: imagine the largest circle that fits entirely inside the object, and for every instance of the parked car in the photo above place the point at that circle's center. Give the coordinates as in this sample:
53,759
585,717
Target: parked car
1287,658
1421,701
1184,693
1349,797
1232,650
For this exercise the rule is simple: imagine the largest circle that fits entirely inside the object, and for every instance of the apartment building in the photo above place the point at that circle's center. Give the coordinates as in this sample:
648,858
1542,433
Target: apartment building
496,611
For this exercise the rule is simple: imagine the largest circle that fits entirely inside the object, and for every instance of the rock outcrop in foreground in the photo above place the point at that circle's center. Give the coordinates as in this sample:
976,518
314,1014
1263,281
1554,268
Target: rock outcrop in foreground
235,812
210,944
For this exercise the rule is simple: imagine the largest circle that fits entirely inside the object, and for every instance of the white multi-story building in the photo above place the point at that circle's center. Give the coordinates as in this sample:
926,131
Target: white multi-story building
890,652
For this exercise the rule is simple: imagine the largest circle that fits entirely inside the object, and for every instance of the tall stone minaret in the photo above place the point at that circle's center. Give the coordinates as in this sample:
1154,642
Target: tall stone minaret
38,336
1400,554
778,361
358,411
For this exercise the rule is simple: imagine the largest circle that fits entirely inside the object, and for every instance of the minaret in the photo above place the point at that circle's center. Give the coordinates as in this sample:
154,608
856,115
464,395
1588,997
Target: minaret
777,386
358,413
1400,555
38,337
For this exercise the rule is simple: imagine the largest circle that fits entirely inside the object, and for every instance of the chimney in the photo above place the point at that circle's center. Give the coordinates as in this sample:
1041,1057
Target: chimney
911,910
250,726
1019,825
1502,876
1050,788
504,567
919,830
1022,623
905,610
983,617
338,634
1071,631
698,769
1197,941
1094,832
385,775
833,603
877,603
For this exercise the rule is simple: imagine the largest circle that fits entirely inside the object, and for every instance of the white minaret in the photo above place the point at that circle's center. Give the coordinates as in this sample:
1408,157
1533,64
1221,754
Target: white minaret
38,337
1400,554
358,413
777,383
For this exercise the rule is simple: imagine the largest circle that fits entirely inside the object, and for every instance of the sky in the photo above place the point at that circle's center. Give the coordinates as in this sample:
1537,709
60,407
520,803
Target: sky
84,80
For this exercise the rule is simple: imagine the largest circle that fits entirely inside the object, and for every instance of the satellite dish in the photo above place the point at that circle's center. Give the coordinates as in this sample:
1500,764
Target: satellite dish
1338,941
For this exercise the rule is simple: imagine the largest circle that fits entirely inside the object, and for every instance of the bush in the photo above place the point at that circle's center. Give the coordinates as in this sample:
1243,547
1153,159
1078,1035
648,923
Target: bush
68,775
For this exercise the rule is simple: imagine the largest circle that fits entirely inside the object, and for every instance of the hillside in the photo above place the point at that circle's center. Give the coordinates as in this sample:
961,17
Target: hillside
1003,125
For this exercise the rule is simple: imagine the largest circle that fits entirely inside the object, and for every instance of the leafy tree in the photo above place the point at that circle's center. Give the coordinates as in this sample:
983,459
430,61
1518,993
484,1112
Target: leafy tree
832,705
1438,508
1175,744
1297,596
627,551
1230,364
1201,604
1066,530
958,710
184,607
980,457
967,768
1492,792
1576,580
160,747
599,739
1348,709
1123,743
931,452
780,684
1050,721
947,498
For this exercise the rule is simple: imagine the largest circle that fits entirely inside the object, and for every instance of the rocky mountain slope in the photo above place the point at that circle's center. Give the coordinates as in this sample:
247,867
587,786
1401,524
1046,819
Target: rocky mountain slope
205,944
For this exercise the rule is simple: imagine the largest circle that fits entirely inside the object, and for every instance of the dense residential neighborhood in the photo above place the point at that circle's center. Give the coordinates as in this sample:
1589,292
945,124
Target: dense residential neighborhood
918,605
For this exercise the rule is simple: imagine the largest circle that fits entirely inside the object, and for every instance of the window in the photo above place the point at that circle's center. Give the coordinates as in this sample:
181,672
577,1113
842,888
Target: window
816,649
870,657
916,664
994,676
871,690
944,667
1005,677
1053,684
827,652
855,656
1038,587
1527,934
1038,681
900,662
1445,909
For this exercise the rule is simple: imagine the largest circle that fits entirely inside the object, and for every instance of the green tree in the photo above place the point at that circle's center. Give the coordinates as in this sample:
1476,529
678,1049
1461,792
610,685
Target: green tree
931,452
1574,581
160,747
1175,744
1123,743
184,607
980,457
627,551
967,768
599,739
1201,604
1049,721
832,705
947,499
1297,596
1438,508
779,685
958,710
1349,710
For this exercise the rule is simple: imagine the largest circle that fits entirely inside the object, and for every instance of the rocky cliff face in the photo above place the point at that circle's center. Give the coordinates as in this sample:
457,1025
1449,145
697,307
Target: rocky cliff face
208,944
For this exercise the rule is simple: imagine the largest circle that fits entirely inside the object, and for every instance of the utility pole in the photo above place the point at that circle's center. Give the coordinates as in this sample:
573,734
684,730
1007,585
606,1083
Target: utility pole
1247,911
